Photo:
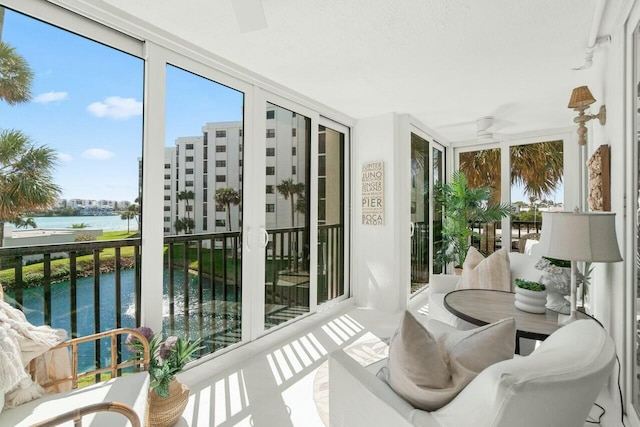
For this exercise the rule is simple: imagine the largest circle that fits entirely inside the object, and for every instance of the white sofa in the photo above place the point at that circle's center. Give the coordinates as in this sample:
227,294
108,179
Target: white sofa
554,386
522,267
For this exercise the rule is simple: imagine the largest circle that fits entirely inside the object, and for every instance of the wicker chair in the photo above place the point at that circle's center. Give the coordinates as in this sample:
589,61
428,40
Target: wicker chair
52,410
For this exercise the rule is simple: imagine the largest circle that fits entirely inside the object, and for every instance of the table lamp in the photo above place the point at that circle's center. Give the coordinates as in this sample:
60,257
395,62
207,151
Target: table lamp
579,236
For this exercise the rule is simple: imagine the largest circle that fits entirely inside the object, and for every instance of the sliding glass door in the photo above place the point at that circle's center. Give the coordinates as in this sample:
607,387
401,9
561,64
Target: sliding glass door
287,147
427,170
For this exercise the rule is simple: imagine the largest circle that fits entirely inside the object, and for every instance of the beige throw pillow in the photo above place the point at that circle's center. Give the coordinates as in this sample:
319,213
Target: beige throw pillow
493,272
429,371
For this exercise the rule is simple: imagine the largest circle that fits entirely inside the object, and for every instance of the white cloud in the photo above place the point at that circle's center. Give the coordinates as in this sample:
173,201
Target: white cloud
115,107
97,154
64,157
47,97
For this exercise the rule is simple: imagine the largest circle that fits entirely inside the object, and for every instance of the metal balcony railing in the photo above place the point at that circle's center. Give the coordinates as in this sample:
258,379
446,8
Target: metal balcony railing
89,287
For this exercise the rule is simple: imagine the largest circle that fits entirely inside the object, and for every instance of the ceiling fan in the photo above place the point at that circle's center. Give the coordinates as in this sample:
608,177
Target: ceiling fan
249,14
483,125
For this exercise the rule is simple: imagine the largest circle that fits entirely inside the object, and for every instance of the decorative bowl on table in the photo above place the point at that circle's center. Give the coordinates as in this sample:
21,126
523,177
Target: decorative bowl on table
530,296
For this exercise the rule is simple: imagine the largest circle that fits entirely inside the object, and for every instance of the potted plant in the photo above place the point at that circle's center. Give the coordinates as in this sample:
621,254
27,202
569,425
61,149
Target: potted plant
168,397
530,296
461,206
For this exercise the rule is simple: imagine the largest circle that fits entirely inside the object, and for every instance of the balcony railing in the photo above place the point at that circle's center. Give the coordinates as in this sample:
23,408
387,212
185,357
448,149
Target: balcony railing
489,242
89,287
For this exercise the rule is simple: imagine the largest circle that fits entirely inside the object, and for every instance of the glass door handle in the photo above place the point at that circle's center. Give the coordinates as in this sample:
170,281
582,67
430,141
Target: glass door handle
266,237
412,227
248,241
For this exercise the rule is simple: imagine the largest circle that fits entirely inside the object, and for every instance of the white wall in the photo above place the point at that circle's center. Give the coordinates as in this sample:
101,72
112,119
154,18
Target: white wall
611,287
376,255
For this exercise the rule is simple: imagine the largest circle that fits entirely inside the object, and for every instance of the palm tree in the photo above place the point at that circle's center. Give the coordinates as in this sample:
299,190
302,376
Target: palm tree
15,76
463,205
225,197
129,214
289,190
186,196
184,224
537,167
26,177
25,223
138,203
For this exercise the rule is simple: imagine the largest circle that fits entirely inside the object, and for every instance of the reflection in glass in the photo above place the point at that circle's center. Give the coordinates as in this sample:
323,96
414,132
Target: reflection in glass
330,214
202,291
419,213
287,223
438,177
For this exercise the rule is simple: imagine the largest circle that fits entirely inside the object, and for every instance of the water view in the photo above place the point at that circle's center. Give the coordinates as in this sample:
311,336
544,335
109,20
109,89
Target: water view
106,223
209,317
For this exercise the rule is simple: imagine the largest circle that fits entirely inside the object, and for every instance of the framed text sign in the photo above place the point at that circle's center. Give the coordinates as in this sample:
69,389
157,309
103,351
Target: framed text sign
373,193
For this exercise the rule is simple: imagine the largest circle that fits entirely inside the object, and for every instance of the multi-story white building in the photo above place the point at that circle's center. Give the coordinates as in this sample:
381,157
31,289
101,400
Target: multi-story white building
204,164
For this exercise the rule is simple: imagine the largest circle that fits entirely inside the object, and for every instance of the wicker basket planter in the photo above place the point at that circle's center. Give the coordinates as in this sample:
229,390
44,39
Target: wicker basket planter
166,411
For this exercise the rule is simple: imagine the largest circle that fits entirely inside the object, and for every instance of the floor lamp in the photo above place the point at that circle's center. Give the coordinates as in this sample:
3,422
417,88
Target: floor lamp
576,237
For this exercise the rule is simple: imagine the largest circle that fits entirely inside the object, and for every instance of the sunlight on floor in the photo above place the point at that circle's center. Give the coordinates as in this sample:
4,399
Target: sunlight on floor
342,329
287,384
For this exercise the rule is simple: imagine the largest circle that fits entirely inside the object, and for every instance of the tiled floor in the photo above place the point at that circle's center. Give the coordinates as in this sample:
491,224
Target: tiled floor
274,385
277,380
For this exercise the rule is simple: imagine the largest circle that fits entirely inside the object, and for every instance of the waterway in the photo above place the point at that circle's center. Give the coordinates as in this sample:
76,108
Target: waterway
106,222
194,319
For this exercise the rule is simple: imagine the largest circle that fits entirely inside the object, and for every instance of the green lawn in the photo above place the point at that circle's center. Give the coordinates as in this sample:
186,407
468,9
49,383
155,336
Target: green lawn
33,274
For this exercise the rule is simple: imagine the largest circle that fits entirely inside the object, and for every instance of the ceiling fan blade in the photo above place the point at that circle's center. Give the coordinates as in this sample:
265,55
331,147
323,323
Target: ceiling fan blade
250,15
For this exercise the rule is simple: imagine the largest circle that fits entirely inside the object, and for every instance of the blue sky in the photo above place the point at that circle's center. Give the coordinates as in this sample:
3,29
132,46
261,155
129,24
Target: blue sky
87,105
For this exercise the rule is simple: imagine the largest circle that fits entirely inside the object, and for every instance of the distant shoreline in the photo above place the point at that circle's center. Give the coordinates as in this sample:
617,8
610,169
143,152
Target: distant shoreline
105,222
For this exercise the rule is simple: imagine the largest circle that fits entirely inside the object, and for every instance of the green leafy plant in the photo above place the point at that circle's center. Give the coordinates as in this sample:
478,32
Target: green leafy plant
168,357
559,262
532,286
463,205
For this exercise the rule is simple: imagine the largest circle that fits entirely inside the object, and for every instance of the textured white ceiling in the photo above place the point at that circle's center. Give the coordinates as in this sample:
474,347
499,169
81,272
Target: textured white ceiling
447,62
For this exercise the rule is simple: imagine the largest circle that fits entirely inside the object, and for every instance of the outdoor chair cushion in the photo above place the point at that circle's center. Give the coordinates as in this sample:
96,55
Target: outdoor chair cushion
131,390
430,370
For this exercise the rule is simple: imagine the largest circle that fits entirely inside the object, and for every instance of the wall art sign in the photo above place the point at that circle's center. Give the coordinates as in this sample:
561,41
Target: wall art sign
599,180
373,193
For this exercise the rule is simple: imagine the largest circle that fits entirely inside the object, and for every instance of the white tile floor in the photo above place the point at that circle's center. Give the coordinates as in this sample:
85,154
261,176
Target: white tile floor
270,382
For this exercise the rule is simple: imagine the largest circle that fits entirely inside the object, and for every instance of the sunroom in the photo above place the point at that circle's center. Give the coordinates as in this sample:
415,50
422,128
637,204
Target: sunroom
274,164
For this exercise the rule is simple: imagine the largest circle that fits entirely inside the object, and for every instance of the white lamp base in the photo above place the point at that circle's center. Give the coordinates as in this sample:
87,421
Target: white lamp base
565,319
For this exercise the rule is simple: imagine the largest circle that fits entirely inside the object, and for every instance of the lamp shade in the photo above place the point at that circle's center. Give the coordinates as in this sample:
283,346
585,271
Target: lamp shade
581,97
579,236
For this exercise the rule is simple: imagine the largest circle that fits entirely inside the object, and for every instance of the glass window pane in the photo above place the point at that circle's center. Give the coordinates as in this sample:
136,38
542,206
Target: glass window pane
419,213
81,112
330,215
482,169
287,224
202,286
536,186
438,177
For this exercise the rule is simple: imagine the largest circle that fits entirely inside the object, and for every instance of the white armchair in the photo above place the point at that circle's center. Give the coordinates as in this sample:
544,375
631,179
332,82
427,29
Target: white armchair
556,385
